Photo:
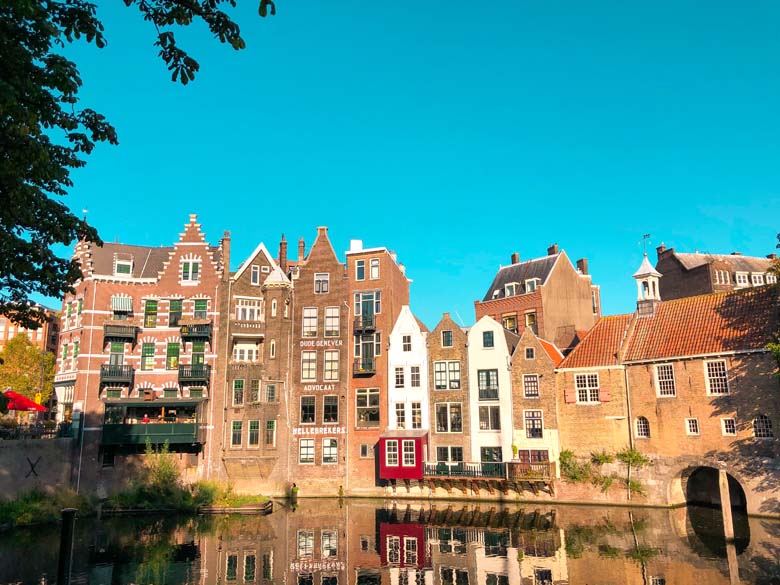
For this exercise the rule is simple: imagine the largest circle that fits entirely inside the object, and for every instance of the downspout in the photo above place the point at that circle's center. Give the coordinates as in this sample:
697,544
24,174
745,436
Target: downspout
349,351
86,393
630,427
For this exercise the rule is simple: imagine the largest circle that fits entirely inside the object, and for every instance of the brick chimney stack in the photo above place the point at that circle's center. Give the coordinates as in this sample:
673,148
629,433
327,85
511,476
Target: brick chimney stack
283,255
515,258
225,245
552,250
301,250
582,265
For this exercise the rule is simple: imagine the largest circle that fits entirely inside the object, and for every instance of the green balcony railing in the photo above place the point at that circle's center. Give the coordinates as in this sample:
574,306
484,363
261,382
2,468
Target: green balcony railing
157,433
194,374
116,374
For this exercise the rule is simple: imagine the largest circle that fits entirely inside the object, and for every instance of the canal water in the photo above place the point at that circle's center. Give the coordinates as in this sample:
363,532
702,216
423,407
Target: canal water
368,542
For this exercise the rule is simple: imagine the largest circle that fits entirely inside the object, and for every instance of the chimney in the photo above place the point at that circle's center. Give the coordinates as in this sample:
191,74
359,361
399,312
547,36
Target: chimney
582,265
283,255
355,245
322,231
301,250
515,258
771,256
659,251
552,250
225,245
736,253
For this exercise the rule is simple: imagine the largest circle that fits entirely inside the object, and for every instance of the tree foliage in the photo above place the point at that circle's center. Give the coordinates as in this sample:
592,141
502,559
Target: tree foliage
23,363
44,134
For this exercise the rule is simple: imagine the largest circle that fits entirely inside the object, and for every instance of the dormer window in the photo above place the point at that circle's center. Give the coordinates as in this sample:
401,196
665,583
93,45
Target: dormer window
531,284
511,289
496,293
123,268
741,279
771,278
757,279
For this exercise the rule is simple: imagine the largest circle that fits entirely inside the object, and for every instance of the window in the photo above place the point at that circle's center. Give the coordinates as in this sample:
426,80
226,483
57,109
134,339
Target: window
489,418
487,339
374,263
393,550
270,393
330,409
268,566
729,427
331,365
254,433
543,577
190,271
531,385
490,454
321,283
407,342
446,375
762,427
368,304
741,279
310,321
391,453
717,377
511,289
448,418
408,453
449,454
415,376
272,349
530,353
270,433
510,323
147,356
231,567
150,314
366,452
331,321
360,269
367,401
249,310
330,543
308,407
642,428
399,377
308,366
446,338
692,426
305,543
757,279
365,543
174,312
657,580
245,351
306,451
198,352
488,384
367,347
530,321
123,268
587,386
76,351
410,550
238,392
237,429
531,284
330,453
400,415
771,278
416,415
201,309
250,564
255,275
254,391
274,305
593,302
664,380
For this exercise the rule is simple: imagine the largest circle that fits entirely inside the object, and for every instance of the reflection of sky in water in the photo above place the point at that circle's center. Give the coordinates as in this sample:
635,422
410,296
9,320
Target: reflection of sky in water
368,542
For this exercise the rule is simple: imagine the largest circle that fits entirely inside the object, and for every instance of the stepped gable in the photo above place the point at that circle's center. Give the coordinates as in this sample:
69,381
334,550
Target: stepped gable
739,320
601,345
192,245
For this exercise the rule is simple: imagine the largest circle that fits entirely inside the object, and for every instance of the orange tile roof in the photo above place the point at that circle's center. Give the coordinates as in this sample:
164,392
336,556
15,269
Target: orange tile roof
555,354
601,345
737,320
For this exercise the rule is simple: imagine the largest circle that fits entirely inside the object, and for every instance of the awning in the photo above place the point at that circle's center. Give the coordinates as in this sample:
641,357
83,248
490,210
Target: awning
18,402
170,403
122,304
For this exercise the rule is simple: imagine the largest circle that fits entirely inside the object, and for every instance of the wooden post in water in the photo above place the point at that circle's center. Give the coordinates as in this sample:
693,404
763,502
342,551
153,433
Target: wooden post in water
66,546
725,505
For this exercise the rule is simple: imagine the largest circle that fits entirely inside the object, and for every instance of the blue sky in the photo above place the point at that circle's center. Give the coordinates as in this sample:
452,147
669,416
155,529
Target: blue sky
454,133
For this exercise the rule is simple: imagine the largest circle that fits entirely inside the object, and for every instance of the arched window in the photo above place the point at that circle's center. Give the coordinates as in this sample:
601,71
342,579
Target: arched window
642,428
762,427
273,308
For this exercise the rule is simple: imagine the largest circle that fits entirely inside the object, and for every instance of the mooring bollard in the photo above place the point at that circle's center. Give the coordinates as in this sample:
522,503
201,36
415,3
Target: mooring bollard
66,546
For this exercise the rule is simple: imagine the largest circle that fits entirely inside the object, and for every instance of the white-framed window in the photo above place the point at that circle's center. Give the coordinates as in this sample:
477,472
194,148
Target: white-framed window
407,342
253,440
489,418
308,409
416,415
250,567
308,366
274,307
367,406
757,279
360,269
487,339
330,543
245,351
400,415
330,409
657,580
410,550
692,426
446,375
393,550
331,365
531,284
741,279
237,430
587,386
366,452
272,349
330,453
510,322
306,451
305,542
238,392
321,283
231,567
408,453
249,310
374,268
531,385
123,268
254,273
270,434
487,381
449,417
762,427
331,321
530,353
664,380
728,427
190,271
534,424
446,338
716,376
771,278
310,321
415,376
642,428
391,453
511,289
530,321
399,377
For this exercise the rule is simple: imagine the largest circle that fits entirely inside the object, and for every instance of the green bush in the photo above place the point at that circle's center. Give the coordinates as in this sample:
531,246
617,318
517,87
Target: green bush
632,458
37,507
635,486
573,470
601,458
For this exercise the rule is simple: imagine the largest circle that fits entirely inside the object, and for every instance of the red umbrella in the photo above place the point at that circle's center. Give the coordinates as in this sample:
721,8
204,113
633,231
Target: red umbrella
18,402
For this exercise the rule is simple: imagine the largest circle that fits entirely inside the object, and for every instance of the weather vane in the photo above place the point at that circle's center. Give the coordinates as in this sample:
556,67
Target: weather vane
645,242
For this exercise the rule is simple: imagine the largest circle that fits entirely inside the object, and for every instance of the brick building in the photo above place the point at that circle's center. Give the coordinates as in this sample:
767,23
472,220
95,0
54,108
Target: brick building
556,300
378,289
686,274
44,337
137,352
